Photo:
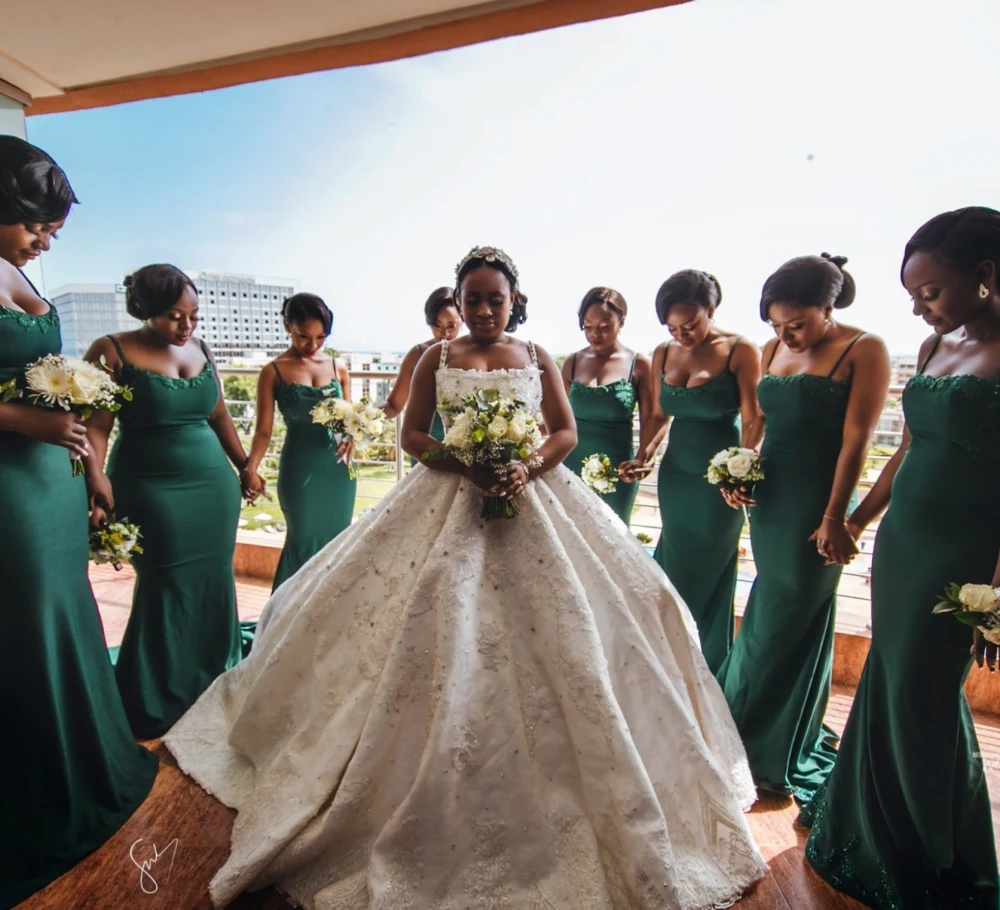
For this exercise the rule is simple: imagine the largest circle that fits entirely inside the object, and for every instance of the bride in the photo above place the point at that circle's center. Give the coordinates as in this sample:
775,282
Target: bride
442,712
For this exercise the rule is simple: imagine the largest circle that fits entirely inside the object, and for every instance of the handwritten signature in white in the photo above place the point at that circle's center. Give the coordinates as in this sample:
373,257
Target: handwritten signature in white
145,878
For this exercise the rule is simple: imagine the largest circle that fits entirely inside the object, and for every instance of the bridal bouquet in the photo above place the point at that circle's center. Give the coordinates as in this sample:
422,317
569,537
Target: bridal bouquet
357,422
115,543
74,385
735,467
488,429
599,474
974,605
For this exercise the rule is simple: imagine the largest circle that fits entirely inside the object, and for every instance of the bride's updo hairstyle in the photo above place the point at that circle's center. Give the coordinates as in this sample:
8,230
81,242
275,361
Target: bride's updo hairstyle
495,258
154,289
809,281
33,188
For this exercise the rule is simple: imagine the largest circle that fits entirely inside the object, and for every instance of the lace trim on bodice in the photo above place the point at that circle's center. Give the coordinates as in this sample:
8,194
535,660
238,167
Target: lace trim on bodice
521,383
980,439
172,382
30,321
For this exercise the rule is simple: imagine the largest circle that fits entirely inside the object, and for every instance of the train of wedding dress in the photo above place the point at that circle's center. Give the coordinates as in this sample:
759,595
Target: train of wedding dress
441,713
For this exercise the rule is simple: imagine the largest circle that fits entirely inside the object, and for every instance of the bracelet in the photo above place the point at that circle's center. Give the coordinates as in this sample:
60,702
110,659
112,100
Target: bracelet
842,521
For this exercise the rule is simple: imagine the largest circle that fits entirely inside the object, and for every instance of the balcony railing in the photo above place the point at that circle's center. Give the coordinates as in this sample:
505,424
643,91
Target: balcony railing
385,464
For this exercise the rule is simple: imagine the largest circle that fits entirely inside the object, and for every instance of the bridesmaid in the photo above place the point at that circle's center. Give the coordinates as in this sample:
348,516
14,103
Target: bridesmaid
169,475
71,773
704,383
821,395
605,381
442,315
315,488
905,819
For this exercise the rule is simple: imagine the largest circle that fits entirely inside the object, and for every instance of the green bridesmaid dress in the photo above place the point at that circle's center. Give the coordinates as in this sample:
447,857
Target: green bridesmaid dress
604,427
171,477
699,544
778,673
70,769
315,488
904,820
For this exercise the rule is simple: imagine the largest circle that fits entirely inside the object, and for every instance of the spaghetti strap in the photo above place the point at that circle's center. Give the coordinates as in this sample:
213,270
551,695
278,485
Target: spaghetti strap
774,351
666,353
937,344
572,368
533,352
118,349
732,351
204,350
847,351
443,362
631,369
277,372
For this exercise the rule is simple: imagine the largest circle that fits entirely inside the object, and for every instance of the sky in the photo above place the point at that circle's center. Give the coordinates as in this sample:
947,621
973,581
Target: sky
724,135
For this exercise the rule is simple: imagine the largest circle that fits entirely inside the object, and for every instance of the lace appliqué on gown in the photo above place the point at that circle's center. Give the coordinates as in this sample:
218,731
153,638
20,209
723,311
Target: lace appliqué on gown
441,712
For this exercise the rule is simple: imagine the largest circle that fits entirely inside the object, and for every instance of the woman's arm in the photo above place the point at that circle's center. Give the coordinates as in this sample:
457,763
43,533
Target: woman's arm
100,496
567,371
344,378
221,421
652,422
874,504
400,393
746,366
264,421
419,415
557,415
869,386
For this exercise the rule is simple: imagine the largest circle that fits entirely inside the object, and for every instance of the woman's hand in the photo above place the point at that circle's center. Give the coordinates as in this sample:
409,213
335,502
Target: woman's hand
99,493
484,477
737,497
634,470
983,651
345,451
58,428
98,518
252,485
834,542
513,478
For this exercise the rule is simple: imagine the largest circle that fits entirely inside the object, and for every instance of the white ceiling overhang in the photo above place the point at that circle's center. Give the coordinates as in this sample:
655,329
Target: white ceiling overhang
60,55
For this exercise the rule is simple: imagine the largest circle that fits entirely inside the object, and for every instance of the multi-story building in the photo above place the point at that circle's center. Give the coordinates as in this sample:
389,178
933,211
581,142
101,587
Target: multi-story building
371,387
903,369
241,314
88,311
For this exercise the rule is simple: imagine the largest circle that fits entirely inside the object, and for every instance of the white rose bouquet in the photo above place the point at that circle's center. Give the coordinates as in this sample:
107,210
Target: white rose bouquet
599,474
974,605
116,542
488,429
357,422
735,467
74,385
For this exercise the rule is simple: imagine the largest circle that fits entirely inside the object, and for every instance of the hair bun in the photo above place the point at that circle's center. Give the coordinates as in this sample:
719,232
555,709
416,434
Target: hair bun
838,261
849,289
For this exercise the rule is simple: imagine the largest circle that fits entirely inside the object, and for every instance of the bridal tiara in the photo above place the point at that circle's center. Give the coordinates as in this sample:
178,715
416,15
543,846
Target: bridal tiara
488,254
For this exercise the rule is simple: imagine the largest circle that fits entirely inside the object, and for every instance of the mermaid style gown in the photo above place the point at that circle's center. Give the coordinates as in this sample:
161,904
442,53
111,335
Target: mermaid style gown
70,769
171,477
604,427
777,676
315,489
905,820
441,712
699,543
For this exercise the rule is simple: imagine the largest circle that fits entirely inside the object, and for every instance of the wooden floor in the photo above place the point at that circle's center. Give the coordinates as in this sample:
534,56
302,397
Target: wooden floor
179,813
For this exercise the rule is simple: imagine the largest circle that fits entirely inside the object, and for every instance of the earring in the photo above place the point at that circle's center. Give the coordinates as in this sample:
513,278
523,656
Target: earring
984,292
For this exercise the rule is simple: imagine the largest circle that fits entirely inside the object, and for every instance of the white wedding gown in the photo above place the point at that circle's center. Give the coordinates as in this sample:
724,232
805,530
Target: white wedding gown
442,713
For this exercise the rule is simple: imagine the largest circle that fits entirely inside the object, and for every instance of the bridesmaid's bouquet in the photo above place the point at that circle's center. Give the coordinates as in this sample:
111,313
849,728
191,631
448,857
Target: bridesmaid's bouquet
74,385
599,474
735,467
974,605
115,542
488,429
357,422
